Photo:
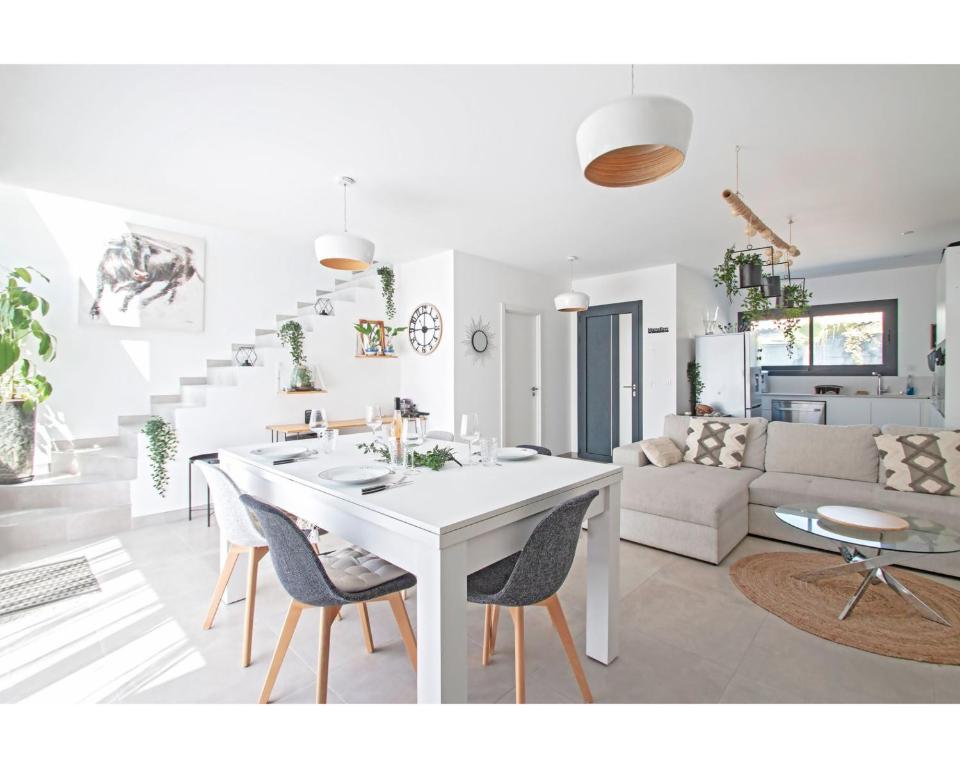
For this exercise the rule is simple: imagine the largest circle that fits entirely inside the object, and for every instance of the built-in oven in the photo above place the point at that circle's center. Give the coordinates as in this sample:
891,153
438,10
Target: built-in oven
800,411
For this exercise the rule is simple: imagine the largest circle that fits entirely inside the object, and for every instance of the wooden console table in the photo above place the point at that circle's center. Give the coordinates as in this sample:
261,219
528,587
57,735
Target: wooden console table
281,432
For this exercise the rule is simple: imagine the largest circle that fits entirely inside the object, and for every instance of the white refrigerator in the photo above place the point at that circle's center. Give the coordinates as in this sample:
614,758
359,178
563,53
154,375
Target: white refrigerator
732,379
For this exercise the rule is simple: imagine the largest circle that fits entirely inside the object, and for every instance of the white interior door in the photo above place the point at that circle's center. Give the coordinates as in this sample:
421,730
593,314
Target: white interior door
521,377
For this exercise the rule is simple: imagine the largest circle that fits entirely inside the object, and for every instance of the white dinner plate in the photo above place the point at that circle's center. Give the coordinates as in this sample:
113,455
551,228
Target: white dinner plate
358,474
516,454
276,452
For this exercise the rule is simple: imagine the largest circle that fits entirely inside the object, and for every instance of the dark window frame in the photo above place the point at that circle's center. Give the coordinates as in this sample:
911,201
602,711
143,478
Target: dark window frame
889,308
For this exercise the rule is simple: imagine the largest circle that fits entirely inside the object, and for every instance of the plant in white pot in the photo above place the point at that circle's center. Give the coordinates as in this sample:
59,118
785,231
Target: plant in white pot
22,388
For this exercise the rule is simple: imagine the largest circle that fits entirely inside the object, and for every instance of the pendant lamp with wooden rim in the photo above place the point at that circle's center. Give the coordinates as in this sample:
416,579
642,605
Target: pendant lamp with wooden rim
571,301
635,140
344,251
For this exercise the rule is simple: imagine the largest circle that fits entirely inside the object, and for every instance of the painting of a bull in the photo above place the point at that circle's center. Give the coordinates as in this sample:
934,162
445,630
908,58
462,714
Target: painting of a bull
149,266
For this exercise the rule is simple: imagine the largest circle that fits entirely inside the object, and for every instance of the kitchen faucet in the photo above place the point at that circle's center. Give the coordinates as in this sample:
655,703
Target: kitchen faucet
880,389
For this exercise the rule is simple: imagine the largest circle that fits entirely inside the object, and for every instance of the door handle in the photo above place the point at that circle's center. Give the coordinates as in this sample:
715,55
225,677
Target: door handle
533,391
631,386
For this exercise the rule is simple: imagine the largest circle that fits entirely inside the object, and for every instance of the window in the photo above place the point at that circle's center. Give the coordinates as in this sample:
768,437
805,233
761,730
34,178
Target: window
851,339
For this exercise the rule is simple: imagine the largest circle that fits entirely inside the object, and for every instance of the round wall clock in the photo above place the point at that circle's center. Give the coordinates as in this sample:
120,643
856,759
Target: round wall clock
426,328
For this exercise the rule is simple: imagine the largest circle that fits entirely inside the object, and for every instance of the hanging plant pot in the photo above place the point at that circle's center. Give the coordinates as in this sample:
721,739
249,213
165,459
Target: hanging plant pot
770,286
751,275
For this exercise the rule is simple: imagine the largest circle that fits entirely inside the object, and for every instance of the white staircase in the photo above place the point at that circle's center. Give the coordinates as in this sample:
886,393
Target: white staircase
91,483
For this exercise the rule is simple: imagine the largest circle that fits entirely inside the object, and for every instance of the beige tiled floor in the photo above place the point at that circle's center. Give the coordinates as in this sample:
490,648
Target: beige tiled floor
687,635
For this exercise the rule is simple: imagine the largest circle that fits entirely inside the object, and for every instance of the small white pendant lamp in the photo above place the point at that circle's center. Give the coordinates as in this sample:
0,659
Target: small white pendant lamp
571,301
344,251
635,140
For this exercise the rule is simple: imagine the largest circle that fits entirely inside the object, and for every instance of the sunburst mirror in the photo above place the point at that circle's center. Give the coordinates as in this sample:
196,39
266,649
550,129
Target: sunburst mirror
478,339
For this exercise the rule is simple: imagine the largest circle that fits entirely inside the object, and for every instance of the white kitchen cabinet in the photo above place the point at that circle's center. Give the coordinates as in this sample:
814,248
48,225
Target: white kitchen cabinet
895,411
934,417
848,410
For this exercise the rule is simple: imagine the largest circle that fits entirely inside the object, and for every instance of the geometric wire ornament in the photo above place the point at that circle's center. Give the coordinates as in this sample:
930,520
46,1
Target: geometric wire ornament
478,338
323,307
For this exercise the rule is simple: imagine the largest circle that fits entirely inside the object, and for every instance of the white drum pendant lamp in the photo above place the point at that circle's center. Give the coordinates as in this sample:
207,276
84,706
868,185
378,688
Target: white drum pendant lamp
634,140
344,251
571,301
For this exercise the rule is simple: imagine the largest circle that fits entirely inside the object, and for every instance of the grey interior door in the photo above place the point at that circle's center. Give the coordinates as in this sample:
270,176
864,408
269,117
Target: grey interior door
609,391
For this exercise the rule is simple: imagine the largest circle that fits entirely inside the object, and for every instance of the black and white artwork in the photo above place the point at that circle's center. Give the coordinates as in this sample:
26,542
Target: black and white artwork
146,278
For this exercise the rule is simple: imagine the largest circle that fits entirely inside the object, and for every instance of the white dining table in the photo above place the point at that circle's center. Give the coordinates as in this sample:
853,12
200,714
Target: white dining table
445,525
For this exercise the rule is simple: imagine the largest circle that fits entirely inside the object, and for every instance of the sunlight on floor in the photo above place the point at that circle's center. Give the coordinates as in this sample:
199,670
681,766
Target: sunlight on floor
51,641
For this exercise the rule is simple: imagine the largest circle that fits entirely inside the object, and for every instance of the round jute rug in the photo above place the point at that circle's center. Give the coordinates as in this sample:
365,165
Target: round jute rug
881,623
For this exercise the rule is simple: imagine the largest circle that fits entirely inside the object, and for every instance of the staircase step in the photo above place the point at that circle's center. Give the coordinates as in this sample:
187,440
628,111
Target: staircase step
192,381
160,399
40,526
219,363
265,332
133,420
58,490
117,461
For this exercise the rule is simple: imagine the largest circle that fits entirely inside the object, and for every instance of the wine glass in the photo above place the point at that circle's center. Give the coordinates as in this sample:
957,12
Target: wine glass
374,419
318,421
470,431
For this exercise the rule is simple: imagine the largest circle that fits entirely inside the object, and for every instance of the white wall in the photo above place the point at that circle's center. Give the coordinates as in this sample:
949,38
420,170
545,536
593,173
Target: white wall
481,286
951,293
428,379
697,297
656,287
104,372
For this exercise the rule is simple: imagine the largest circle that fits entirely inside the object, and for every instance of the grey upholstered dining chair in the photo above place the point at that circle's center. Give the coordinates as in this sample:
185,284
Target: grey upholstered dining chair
440,434
539,449
328,581
530,577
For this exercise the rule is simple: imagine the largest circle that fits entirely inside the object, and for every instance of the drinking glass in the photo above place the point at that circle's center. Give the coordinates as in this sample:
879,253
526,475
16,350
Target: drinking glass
488,451
397,456
318,421
470,432
374,419
328,440
412,435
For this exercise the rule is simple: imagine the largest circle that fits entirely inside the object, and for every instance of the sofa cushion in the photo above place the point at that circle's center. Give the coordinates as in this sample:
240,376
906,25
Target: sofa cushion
675,427
715,443
775,489
631,455
660,451
846,453
899,429
689,492
921,463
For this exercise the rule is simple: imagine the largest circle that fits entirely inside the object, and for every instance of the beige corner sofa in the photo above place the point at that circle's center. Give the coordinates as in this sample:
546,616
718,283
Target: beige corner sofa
704,512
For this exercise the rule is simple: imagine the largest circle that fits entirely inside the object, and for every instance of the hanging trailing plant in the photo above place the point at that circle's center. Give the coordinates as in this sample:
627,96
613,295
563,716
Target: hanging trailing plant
291,337
162,446
755,306
727,273
387,289
696,384
795,300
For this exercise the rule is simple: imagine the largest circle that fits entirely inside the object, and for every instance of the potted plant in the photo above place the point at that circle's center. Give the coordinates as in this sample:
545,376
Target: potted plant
162,446
795,300
392,333
738,270
696,384
755,306
387,289
292,337
22,388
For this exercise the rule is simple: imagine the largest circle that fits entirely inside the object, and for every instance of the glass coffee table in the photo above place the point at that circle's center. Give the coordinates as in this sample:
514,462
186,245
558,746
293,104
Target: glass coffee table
920,537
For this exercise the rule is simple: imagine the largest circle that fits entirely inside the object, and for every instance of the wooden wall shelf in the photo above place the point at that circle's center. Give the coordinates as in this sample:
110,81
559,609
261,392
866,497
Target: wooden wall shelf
303,391
376,357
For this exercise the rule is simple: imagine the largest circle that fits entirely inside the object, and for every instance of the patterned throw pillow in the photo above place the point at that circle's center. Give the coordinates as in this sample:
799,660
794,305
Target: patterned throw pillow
716,443
927,463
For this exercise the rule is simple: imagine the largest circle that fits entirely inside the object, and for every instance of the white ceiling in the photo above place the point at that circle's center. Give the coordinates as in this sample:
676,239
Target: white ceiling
483,159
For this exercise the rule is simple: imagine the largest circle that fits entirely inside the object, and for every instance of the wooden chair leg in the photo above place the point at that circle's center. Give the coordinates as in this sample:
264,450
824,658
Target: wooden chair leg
516,613
283,643
365,626
256,555
487,626
403,623
552,604
327,617
494,623
232,554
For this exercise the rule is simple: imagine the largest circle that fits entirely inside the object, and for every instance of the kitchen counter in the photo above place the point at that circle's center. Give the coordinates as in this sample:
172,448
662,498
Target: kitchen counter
885,395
